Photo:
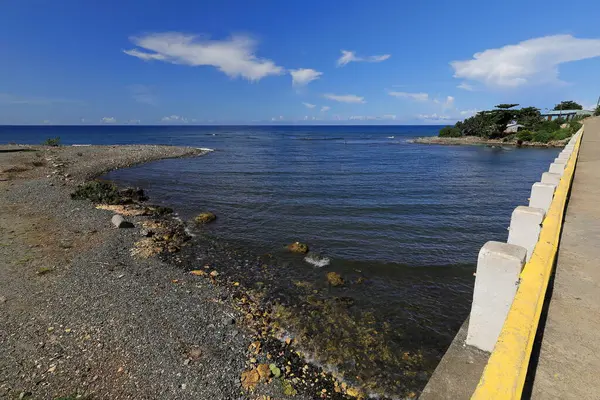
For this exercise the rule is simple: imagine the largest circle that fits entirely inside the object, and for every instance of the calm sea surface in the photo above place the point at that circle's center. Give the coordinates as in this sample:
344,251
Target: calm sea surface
412,217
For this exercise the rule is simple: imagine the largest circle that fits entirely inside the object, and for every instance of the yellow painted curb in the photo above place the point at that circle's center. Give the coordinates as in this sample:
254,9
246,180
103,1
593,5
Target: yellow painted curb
504,374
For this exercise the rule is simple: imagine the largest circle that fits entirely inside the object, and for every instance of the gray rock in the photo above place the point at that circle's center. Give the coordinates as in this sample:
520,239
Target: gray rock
120,222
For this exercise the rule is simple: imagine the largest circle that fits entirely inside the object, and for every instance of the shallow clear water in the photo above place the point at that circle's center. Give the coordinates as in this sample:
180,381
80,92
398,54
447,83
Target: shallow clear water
410,217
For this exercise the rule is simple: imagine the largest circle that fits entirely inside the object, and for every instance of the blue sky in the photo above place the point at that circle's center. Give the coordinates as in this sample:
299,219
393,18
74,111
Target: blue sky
238,62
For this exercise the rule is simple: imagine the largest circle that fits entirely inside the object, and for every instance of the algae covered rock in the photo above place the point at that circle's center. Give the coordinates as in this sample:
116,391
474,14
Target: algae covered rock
298,247
97,192
335,279
205,218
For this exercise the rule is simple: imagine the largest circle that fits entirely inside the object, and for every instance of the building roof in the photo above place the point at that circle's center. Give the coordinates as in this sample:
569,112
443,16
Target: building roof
565,112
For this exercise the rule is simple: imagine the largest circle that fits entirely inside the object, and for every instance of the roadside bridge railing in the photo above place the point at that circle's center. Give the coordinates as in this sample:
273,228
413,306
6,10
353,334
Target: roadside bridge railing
512,279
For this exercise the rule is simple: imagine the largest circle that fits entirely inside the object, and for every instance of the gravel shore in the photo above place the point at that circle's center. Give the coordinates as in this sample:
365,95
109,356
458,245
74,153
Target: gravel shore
81,317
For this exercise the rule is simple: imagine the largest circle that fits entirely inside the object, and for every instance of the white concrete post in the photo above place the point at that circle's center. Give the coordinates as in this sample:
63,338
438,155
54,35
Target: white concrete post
564,156
541,195
498,268
557,168
525,227
553,179
559,160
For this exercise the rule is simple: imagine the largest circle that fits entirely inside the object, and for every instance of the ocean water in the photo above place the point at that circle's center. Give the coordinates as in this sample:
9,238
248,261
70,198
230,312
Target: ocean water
411,218
359,193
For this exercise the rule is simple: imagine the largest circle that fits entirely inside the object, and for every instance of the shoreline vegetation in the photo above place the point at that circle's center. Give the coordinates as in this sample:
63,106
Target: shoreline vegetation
135,306
507,125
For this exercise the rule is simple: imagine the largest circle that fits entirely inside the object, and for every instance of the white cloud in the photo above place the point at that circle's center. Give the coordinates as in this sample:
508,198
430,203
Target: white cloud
134,121
387,117
280,118
308,105
234,57
531,61
449,103
143,94
325,108
378,58
412,96
303,76
466,86
350,56
109,120
345,98
435,117
468,113
175,118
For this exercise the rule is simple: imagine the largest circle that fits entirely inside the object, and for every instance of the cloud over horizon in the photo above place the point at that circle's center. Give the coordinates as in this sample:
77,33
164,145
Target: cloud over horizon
345,98
175,118
531,61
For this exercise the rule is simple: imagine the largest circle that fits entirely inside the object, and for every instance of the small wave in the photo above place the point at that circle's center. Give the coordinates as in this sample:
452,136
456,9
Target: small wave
205,149
391,137
319,138
316,260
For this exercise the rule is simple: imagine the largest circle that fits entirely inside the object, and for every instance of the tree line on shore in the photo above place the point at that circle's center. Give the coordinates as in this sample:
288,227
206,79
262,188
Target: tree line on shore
532,127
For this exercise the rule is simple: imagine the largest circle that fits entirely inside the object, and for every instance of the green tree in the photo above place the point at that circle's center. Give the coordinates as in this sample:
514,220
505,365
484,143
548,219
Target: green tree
529,117
506,106
525,135
449,131
597,112
568,105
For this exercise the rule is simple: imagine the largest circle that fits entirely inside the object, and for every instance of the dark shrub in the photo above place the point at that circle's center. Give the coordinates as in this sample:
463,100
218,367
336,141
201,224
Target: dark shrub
574,126
542,136
525,136
562,134
52,142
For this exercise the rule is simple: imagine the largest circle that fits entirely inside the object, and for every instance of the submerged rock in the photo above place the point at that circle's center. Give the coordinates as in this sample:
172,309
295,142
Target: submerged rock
130,195
298,247
205,218
335,279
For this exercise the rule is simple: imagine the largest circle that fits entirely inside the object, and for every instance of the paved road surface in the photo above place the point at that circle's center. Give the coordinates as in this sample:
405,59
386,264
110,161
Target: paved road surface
569,362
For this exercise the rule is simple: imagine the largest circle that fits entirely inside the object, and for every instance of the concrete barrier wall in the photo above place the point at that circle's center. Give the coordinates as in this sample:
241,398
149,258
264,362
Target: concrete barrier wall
498,265
510,286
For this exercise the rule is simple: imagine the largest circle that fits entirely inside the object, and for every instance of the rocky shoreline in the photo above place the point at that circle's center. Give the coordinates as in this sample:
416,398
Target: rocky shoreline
88,314
478,141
